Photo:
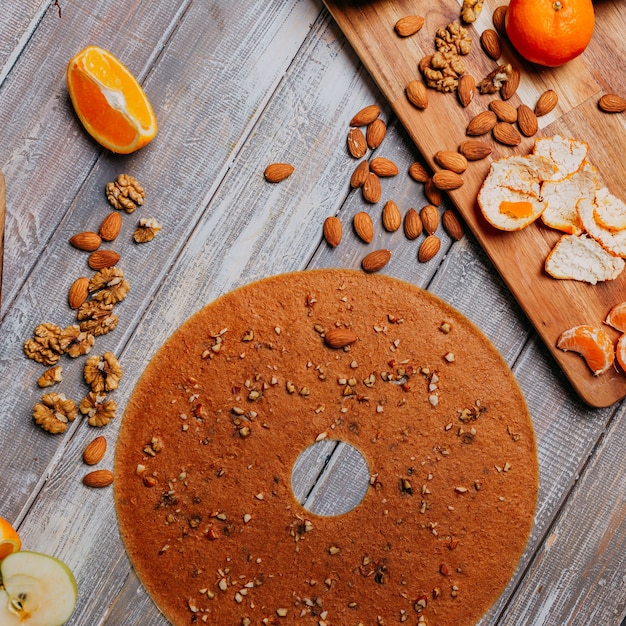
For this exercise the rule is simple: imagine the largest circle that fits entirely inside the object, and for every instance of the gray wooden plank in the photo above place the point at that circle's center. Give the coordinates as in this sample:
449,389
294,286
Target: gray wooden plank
45,153
19,20
178,180
579,576
246,229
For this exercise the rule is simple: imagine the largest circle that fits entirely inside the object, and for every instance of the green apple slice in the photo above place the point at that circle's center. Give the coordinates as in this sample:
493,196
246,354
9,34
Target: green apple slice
39,590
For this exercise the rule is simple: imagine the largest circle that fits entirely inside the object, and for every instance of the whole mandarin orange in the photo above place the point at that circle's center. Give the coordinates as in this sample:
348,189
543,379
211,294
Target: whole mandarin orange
550,32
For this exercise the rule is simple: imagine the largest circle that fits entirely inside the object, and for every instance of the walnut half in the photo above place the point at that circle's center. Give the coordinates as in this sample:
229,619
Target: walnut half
125,193
99,410
102,373
54,412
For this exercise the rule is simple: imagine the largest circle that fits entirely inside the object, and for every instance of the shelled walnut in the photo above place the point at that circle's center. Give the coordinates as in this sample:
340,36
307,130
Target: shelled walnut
99,410
471,10
146,230
102,373
442,69
76,342
125,193
43,346
97,318
493,82
51,376
109,286
54,412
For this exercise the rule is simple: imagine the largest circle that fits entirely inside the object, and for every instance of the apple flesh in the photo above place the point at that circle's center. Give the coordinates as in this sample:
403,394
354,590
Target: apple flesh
36,590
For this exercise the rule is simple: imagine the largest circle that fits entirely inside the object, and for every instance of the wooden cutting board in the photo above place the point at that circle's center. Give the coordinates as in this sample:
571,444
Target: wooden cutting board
551,305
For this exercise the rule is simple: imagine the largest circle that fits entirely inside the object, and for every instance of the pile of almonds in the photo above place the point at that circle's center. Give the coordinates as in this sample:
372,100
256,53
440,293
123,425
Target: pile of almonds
367,177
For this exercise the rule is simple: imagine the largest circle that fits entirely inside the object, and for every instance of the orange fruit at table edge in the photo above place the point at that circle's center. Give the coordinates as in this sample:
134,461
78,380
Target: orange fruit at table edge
593,344
109,101
550,32
9,539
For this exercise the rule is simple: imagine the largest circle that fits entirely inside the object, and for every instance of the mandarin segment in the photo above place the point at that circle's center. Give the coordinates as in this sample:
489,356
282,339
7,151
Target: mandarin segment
616,317
109,101
620,352
592,343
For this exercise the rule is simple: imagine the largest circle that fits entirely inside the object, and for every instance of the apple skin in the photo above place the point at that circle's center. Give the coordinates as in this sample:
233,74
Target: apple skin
39,590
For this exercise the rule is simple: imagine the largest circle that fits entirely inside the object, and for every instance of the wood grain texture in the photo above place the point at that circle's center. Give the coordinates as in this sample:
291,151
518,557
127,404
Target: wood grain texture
223,226
551,305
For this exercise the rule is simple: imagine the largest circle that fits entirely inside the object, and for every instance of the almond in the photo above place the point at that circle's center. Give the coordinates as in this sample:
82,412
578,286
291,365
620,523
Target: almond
333,231
466,89
446,180
102,258
339,337
527,120
277,172
490,42
417,94
610,103
87,241
430,218
366,115
452,224
357,146
451,160
475,149
432,193
359,176
375,133
111,226
504,111
482,123
98,478
364,226
78,292
547,102
429,248
383,167
418,172
412,224
376,260
392,219
509,88
506,134
372,191
409,25
499,17
95,450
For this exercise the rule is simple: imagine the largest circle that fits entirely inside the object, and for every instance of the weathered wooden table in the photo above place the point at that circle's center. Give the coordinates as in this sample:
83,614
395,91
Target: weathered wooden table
236,86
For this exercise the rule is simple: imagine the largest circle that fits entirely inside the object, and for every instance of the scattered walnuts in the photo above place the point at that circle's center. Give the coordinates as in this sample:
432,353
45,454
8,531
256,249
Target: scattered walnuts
51,376
146,230
471,10
109,285
125,193
102,373
99,410
44,346
442,69
54,412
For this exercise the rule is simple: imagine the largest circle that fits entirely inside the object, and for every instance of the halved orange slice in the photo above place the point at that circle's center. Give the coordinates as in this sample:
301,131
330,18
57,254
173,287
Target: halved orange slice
616,317
9,539
593,344
109,101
